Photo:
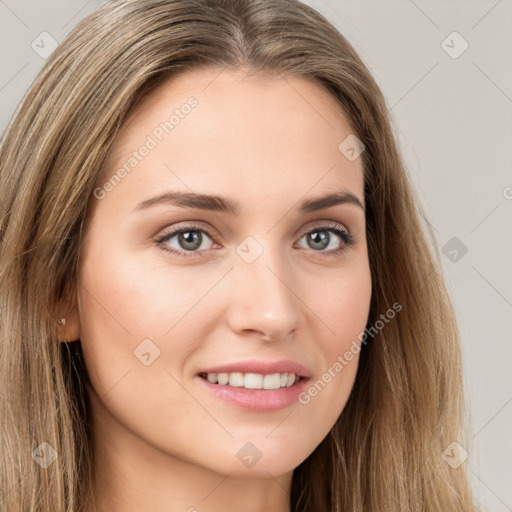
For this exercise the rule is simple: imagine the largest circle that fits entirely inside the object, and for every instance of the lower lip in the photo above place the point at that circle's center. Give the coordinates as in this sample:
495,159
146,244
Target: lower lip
257,400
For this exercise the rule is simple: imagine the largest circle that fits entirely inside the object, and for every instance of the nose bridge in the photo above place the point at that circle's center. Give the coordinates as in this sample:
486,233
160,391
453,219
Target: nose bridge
263,298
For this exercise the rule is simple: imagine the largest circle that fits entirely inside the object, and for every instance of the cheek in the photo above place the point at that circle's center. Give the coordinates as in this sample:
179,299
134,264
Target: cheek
126,299
342,304
129,317
126,293
342,308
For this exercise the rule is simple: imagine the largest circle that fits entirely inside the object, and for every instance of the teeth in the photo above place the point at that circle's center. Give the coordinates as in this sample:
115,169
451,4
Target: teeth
223,378
236,379
272,381
253,380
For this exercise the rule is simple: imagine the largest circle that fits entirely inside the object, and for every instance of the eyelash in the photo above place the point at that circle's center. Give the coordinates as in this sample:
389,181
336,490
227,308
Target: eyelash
347,238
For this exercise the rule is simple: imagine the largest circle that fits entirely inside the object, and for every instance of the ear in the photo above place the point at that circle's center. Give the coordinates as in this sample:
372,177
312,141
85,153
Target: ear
69,321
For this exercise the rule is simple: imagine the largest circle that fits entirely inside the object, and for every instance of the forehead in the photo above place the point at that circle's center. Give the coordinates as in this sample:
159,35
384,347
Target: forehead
214,131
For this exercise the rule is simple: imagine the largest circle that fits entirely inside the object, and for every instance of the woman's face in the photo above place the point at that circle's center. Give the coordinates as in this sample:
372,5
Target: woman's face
177,290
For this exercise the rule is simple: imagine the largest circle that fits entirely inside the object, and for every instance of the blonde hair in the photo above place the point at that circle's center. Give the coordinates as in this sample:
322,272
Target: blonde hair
406,407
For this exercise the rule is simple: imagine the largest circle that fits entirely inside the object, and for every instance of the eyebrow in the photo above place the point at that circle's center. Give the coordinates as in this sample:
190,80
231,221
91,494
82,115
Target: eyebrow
231,207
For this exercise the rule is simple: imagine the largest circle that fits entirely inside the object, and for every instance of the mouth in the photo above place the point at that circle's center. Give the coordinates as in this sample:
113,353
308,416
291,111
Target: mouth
256,386
252,380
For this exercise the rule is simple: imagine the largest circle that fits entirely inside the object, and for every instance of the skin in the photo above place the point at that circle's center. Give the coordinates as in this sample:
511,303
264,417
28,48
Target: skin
162,442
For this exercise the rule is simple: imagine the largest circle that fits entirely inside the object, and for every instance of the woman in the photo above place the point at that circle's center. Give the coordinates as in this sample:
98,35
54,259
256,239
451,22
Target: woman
216,287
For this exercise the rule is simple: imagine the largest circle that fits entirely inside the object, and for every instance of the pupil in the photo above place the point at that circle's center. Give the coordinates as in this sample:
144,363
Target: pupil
190,237
319,237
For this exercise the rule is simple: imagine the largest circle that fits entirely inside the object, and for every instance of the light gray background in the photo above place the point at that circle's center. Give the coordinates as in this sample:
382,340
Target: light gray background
453,118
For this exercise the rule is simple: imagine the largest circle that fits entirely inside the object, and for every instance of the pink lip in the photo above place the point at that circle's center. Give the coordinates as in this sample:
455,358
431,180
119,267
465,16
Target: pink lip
257,400
263,367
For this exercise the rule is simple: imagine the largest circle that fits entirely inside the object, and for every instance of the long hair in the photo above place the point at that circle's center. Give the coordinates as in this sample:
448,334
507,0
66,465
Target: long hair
385,450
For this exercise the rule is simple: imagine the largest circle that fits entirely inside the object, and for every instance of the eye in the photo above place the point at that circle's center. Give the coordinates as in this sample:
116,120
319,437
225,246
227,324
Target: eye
329,238
189,239
192,239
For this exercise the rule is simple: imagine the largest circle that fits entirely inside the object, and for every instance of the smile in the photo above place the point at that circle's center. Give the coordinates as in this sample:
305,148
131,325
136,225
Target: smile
252,380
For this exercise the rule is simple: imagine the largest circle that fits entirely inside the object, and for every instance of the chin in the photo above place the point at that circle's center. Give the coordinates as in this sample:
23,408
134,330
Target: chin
261,459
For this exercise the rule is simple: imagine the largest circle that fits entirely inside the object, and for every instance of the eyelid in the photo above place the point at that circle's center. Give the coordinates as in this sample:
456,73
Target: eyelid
325,224
183,227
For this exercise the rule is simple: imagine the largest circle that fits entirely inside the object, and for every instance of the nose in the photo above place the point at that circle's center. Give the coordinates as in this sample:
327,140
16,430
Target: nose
262,299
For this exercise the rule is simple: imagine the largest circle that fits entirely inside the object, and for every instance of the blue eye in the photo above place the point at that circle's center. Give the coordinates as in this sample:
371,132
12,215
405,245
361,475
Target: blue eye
190,240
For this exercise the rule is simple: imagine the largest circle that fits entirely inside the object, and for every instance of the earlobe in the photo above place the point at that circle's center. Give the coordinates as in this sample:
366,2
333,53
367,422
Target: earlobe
69,327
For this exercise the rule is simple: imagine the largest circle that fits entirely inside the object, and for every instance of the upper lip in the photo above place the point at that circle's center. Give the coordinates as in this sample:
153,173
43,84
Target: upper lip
263,367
